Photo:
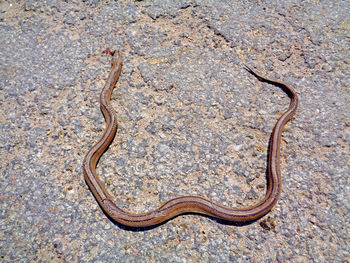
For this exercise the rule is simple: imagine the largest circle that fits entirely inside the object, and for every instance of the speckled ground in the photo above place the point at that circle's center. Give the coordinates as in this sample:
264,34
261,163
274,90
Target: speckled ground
191,121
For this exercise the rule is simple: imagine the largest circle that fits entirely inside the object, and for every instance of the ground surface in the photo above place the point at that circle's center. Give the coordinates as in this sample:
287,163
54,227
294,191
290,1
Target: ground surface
191,121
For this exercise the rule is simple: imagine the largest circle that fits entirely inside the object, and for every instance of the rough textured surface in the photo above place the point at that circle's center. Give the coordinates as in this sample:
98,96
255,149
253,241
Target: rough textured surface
191,121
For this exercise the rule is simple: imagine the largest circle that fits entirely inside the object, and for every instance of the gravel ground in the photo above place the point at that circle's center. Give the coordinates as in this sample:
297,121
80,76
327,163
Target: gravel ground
191,121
